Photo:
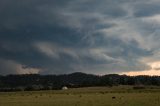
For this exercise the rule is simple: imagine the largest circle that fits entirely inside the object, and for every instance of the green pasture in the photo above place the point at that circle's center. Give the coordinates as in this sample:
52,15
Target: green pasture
95,96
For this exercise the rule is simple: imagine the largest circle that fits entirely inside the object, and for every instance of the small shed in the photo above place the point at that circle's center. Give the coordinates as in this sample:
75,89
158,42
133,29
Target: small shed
64,88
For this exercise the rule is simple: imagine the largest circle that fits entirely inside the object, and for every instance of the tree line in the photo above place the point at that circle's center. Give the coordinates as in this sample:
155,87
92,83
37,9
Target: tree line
52,82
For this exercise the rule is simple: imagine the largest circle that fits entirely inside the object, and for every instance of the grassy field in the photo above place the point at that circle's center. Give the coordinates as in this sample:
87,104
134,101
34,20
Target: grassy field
95,96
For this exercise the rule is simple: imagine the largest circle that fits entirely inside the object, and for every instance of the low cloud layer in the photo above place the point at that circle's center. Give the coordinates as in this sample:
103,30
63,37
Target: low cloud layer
64,36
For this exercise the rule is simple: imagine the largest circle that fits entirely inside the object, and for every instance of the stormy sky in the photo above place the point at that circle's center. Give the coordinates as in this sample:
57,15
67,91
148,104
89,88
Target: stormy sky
91,36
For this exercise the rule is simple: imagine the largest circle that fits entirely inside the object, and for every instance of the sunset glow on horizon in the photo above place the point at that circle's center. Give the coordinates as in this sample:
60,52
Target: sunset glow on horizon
154,71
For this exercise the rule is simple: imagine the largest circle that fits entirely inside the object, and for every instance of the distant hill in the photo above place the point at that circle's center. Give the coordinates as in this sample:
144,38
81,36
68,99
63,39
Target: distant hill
74,80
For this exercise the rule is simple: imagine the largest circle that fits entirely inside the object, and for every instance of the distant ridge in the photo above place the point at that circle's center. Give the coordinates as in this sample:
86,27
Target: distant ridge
73,80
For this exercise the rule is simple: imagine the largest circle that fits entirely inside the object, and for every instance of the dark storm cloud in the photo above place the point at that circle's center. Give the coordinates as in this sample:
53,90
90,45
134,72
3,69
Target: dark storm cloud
146,9
63,36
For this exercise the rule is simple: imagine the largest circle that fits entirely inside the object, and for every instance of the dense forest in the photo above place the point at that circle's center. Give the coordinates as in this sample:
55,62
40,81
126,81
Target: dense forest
74,80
